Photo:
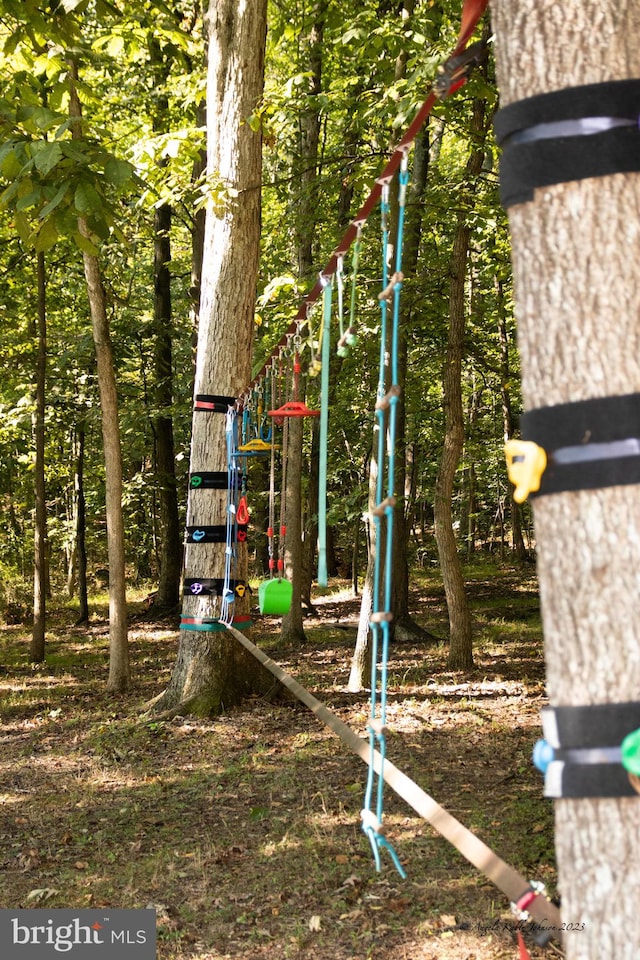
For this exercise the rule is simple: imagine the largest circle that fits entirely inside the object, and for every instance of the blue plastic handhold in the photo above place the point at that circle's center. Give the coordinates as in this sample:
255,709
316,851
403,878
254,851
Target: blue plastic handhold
543,754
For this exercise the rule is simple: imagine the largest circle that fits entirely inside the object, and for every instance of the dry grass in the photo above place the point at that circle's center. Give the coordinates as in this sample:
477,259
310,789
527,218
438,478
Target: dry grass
243,831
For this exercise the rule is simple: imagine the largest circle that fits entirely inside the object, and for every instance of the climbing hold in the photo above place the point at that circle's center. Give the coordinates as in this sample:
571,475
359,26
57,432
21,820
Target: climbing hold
543,755
630,753
526,462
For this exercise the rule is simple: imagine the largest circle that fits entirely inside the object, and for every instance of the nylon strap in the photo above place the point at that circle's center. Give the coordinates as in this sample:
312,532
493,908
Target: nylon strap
211,403
212,586
590,444
207,534
589,727
566,135
506,878
210,480
565,780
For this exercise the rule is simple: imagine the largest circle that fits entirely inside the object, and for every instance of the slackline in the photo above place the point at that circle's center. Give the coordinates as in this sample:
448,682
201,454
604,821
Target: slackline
513,885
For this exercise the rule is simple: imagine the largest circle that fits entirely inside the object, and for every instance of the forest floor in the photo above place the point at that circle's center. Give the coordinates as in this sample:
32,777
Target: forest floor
243,832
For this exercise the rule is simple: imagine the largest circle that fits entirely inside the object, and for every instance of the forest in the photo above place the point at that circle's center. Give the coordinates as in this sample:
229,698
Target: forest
175,181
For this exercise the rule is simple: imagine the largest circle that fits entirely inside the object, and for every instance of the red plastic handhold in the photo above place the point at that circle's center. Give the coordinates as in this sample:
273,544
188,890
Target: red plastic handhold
283,531
270,532
280,566
294,408
242,513
272,564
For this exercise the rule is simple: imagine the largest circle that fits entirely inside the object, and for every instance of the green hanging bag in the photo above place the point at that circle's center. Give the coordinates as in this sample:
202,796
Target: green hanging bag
274,596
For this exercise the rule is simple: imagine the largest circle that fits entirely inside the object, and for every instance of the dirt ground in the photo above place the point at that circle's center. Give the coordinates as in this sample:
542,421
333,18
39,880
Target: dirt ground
243,832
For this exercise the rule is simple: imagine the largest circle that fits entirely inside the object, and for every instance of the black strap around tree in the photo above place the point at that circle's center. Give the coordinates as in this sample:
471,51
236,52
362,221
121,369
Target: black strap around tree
586,742
590,444
207,534
213,586
565,135
213,480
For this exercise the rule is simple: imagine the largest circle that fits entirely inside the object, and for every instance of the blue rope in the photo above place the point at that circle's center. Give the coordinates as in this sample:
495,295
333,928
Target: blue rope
228,595
323,577
386,421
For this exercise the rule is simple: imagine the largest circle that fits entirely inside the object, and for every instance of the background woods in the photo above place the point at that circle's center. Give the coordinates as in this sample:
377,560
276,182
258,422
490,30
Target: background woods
337,94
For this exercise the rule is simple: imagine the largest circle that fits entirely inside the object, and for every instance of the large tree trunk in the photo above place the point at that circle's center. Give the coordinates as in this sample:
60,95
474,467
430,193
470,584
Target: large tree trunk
212,671
575,254
37,653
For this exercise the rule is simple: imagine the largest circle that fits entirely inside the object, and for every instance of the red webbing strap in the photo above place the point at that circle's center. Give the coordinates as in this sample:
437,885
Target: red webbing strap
472,11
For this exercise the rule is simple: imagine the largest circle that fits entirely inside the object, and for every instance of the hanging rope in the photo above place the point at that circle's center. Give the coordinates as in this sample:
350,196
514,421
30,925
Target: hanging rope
323,578
382,516
230,556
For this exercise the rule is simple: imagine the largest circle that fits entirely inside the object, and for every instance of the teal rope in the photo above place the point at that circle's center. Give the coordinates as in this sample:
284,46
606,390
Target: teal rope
386,420
323,578
228,595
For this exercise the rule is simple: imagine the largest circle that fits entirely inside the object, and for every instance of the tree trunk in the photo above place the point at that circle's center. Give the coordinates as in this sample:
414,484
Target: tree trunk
515,510
212,672
460,626
168,521
292,630
37,652
80,524
460,630
575,253
119,669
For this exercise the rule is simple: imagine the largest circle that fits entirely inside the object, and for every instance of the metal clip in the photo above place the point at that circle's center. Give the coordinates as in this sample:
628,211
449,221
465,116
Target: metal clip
526,462
519,907
458,69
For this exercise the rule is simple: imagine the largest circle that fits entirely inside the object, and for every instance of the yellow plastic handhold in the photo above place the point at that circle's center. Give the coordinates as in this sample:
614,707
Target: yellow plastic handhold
526,462
255,446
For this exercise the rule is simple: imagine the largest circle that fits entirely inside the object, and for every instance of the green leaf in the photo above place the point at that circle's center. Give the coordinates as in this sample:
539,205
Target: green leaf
85,244
46,237
87,199
55,201
118,171
46,156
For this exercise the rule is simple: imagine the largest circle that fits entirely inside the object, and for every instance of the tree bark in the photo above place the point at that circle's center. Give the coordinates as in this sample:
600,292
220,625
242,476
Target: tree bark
212,672
80,523
119,667
515,510
37,652
460,625
575,250
460,628
168,521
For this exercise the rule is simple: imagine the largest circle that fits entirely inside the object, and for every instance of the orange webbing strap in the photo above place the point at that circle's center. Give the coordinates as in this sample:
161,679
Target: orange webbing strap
472,10
513,885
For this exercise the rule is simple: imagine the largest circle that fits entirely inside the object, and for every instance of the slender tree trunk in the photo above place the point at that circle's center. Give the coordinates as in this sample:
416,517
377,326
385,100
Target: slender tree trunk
119,668
81,524
37,653
515,510
169,525
292,630
575,253
460,629
212,671
460,626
